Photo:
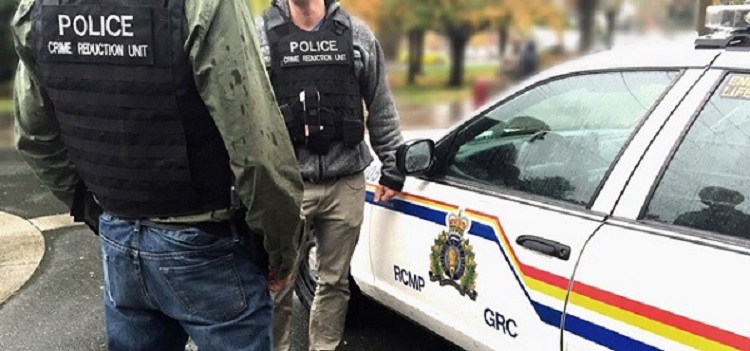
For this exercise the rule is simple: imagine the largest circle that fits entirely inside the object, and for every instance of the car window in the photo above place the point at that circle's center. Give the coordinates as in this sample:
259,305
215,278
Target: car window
706,183
558,139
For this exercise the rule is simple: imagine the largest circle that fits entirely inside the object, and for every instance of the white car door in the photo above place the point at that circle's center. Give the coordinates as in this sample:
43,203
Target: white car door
664,273
482,249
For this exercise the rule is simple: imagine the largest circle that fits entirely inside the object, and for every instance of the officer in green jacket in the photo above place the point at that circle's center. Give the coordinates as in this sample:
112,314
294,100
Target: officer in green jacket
161,111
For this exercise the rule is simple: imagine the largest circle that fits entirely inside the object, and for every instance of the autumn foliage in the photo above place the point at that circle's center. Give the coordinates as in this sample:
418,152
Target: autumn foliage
458,20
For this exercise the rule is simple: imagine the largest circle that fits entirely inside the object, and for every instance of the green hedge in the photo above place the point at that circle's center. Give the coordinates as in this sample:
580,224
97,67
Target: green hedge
6,89
8,59
6,107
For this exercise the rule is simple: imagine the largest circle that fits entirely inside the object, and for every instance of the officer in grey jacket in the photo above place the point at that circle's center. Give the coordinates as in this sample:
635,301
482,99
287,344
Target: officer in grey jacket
323,64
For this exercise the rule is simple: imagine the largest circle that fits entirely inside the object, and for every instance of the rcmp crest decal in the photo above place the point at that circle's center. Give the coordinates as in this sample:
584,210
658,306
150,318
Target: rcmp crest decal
452,257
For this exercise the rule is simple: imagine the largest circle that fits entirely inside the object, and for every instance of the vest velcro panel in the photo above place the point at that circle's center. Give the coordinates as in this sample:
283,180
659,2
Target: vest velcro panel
323,59
125,99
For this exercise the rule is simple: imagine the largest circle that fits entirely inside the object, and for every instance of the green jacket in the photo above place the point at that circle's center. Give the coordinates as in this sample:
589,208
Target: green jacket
230,75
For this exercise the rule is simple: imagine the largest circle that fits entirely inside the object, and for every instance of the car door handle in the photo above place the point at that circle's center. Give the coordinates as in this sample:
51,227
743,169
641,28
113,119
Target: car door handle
545,246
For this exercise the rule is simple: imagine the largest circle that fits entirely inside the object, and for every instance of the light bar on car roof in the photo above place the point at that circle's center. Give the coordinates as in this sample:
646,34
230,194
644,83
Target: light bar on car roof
728,18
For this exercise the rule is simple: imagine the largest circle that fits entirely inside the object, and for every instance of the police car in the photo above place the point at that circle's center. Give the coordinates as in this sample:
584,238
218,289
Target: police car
603,204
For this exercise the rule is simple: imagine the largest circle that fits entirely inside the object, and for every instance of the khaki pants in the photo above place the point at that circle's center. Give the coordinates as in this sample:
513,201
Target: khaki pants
336,210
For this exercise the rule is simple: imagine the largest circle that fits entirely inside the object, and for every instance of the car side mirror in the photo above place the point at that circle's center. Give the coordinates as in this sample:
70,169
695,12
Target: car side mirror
415,157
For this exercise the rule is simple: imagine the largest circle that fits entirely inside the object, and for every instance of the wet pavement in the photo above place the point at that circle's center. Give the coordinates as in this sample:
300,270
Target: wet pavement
433,116
60,306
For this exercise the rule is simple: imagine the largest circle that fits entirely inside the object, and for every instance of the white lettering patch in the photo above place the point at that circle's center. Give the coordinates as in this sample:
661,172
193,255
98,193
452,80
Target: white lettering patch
97,26
98,34
313,46
315,52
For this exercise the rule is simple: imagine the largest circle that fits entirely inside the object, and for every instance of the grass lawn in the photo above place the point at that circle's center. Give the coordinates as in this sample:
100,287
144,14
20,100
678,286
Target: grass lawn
6,105
6,102
431,86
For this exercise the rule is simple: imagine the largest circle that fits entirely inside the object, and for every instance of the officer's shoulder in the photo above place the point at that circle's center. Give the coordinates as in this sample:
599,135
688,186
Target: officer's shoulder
361,31
358,25
24,7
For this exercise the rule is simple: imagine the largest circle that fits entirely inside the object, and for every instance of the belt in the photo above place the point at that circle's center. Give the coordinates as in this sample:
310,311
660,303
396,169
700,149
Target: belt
328,179
212,216
221,229
322,181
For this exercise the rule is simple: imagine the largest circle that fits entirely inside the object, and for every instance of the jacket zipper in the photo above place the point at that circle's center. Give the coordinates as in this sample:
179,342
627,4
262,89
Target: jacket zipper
320,167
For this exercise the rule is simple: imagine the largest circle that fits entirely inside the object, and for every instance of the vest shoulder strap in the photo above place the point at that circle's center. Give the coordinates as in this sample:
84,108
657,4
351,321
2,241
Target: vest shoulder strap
342,17
343,21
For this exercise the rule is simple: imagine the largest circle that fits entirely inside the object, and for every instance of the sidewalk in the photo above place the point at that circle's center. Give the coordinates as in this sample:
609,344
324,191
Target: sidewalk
21,251
59,307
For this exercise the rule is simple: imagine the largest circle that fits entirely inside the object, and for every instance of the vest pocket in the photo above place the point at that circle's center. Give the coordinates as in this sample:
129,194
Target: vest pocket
352,132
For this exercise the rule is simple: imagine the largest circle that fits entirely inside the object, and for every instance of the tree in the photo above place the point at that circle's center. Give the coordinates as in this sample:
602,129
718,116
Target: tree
8,58
611,9
389,35
416,54
459,20
521,15
458,34
369,11
586,11
503,29
414,18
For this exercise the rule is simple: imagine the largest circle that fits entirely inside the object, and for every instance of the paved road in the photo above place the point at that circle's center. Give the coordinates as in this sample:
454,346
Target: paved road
60,307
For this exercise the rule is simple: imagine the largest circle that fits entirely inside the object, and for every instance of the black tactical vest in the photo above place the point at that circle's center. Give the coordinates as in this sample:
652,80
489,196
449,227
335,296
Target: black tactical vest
320,65
123,93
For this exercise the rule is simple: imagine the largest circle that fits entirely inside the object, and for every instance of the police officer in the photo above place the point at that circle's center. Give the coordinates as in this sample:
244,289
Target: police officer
159,108
323,64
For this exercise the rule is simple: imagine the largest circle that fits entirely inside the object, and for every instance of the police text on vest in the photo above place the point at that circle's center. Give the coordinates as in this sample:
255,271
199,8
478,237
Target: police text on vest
313,46
98,34
97,26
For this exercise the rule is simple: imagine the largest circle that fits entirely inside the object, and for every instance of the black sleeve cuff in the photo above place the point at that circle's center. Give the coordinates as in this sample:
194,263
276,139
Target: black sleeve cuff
391,182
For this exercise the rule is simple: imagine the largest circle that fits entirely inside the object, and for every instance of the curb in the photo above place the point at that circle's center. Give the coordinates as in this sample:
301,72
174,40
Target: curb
21,250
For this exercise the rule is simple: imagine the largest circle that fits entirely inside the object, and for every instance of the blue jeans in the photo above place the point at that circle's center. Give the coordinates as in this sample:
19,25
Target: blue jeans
161,285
